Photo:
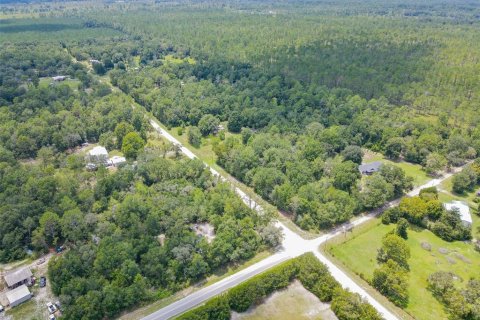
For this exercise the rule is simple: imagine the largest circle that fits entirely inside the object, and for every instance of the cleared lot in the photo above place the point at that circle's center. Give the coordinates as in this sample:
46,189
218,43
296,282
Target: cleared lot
295,302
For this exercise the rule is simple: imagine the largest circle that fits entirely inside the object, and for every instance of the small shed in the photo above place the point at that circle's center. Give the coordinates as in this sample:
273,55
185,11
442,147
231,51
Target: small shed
18,278
98,155
117,161
463,210
370,168
18,295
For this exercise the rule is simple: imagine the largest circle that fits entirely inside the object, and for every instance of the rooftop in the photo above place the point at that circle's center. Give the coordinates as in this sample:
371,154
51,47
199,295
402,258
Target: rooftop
370,167
17,276
463,210
17,294
98,151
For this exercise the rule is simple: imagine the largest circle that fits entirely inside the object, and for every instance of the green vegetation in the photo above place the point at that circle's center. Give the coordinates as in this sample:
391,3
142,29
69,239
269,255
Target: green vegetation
301,86
359,250
293,302
308,270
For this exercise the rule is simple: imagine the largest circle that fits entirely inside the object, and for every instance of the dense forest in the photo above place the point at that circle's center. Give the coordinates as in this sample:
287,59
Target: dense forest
302,86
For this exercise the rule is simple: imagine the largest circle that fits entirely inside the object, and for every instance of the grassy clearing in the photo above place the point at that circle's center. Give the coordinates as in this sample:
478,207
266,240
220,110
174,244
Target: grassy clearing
171,59
72,83
358,252
411,170
295,302
217,276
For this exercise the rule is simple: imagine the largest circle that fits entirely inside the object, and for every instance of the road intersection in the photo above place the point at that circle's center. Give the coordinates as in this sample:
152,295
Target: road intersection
292,246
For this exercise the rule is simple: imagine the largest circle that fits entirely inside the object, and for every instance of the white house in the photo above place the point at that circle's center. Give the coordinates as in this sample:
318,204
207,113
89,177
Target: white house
18,295
98,155
59,78
463,209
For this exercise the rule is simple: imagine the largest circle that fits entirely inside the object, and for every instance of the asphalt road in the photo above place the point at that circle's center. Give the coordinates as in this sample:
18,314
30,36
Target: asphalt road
204,294
293,245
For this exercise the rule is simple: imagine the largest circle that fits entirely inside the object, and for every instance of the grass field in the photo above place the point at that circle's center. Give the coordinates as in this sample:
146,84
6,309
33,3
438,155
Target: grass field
358,253
295,302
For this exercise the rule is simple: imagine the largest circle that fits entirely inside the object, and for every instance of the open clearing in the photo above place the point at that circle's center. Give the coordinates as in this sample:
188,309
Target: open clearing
295,302
358,253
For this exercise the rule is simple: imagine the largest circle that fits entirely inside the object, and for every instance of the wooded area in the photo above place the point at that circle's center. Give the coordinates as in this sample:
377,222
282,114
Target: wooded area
304,88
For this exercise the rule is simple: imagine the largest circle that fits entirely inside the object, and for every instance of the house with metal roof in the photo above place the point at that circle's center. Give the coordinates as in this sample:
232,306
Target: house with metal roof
370,168
18,295
98,155
18,278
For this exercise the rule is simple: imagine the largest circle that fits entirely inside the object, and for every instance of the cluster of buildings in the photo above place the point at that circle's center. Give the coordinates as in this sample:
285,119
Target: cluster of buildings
460,206
99,156
18,283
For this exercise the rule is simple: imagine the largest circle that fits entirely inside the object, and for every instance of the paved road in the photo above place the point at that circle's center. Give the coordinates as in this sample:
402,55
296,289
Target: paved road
292,246
215,289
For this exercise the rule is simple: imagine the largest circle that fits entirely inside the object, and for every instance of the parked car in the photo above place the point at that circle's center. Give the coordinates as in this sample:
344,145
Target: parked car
43,282
51,307
51,317
40,261
1,308
60,249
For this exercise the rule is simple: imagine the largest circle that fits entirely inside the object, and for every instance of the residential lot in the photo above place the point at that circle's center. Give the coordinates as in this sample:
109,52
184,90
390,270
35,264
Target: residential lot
35,308
357,252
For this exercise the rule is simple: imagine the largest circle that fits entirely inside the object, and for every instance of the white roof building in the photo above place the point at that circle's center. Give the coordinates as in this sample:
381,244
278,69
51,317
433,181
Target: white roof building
117,160
18,295
462,208
98,151
59,78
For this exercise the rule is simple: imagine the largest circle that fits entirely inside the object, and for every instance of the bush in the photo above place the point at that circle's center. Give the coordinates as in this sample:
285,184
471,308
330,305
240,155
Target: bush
244,295
216,308
312,274
316,278
351,306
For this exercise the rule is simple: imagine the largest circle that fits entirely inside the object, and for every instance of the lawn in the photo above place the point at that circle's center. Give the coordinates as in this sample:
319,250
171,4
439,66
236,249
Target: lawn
295,302
411,170
359,251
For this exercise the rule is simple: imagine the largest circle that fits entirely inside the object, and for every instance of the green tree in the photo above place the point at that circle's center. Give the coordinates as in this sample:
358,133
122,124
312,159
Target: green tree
194,136
376,191
435,163
394,147
235,122
391,280
132,145
353,153
402,228
394,248
208,124
345,175
121,130
74,227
